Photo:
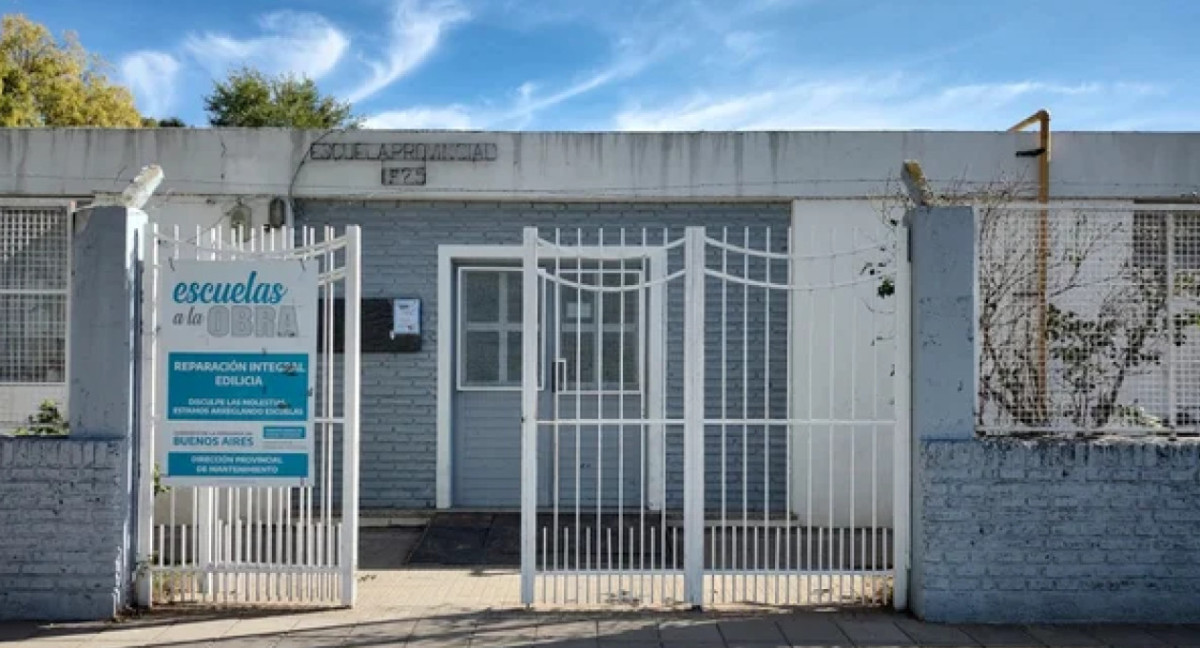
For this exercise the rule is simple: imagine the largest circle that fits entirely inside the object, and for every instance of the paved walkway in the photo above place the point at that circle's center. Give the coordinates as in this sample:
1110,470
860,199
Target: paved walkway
473,608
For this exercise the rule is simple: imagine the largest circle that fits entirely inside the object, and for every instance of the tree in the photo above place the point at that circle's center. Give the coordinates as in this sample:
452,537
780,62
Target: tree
249,98
169,122
47,83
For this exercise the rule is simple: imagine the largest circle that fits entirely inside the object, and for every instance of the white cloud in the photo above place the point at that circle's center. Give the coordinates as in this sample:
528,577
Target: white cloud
448,117
291,42
885,102
152,77
415,31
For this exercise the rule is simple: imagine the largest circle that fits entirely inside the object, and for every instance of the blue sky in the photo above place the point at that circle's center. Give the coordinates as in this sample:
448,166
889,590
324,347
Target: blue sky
669,65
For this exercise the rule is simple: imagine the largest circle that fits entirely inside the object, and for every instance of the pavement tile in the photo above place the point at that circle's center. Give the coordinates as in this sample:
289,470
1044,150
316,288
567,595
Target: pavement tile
1000,636
1125,636
186,630
812,630
1185,636
874,631
569,628
689,632
762,630
631,629
1062,636
383,629
935,634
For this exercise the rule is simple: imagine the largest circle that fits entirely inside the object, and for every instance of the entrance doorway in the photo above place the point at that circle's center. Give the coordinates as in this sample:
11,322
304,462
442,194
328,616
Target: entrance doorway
598,361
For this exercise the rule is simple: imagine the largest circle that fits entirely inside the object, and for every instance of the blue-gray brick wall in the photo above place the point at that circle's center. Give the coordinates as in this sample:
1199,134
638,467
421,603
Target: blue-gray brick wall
1040,531
63,508
399,391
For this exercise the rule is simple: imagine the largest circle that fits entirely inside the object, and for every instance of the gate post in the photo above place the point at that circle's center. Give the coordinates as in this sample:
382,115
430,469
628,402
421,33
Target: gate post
529,413
348,552
693,412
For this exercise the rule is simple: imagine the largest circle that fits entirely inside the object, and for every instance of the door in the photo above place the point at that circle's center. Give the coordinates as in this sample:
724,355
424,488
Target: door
487,416
592,361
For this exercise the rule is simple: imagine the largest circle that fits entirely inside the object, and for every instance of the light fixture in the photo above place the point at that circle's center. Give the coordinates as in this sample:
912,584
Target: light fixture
276,213
239,219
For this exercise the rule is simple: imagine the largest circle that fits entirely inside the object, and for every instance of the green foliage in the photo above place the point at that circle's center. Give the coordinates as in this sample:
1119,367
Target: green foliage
159,488
47,83
47,421
169,122
249,98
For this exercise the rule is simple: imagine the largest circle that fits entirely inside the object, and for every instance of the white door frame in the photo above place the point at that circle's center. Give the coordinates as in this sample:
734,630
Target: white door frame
449,255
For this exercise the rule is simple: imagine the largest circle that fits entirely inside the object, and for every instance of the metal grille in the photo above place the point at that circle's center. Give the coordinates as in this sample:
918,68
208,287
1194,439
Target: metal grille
754,462
1089,320
34,270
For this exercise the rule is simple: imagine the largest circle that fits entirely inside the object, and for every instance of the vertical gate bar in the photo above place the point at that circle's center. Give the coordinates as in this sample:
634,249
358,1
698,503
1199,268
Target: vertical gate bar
621,295
529,414
351,367
146,424
854,391
328,265
901,439
789,405
558,381
578,468
832,291
693,375
745,566
598,348
724,467
767,408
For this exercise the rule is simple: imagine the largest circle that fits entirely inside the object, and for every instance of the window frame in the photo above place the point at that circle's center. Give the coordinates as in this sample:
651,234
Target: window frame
503,329
638,326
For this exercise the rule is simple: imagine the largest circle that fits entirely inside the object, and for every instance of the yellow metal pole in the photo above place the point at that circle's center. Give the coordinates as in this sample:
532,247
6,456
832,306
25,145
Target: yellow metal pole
1042,119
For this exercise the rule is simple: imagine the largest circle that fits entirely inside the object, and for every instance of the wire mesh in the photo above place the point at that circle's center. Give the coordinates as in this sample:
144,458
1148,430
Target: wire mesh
34,267
1089,320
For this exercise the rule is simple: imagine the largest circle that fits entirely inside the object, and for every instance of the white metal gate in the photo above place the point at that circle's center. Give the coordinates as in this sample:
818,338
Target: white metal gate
748,444
259,544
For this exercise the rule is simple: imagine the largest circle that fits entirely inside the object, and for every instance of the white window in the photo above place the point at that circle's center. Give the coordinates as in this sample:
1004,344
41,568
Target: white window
613,317
489,328
1150,239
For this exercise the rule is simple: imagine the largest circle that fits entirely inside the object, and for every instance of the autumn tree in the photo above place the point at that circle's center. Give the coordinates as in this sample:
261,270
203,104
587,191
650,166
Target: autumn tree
249,98
44,82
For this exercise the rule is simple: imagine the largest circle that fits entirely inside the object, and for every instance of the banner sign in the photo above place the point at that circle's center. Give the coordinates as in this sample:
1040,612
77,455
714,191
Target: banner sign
236,381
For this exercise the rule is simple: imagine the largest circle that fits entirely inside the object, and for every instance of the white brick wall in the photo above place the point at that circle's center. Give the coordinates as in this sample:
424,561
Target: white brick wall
1031,531
63,507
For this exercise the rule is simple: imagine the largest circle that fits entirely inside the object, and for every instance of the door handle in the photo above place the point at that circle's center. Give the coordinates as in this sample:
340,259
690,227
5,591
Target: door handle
560,374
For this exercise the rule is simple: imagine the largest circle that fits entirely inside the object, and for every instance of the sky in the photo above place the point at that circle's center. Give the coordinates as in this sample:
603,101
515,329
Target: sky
668,65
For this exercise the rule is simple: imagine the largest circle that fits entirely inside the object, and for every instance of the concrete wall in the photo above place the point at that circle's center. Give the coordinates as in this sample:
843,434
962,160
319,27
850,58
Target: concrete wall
611,166
63,508
1031,531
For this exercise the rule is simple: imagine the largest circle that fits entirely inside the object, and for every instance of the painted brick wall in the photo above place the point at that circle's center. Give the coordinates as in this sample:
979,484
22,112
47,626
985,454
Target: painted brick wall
400,241
63,508
1024,531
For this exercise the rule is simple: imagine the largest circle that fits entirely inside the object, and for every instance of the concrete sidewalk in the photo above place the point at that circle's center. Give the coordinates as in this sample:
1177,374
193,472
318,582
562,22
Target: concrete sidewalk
477,607
427,627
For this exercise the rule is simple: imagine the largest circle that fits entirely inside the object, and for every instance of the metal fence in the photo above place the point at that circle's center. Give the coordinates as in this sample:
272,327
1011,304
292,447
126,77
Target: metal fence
1089,319
34,275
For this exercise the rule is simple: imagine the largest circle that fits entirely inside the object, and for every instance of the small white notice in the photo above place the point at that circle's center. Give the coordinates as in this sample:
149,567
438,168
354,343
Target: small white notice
406,317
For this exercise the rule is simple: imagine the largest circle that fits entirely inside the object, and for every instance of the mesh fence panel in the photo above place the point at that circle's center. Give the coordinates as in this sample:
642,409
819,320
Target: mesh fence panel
33,294
1089,320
